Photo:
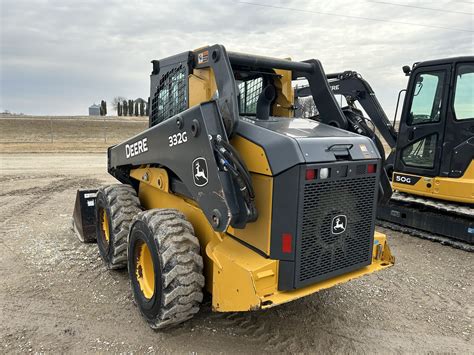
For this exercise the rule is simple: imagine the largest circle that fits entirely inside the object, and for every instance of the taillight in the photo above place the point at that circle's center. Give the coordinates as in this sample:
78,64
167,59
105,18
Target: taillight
310,174
286,241
371,168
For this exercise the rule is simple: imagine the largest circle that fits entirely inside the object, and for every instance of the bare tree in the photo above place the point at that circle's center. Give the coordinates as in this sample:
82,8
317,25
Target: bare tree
125,108
116,101
130,107
136,108
119,109
308,108
142,108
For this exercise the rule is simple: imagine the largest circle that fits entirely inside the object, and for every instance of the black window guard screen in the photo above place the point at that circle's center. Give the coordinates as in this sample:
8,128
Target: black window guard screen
170,97
249,92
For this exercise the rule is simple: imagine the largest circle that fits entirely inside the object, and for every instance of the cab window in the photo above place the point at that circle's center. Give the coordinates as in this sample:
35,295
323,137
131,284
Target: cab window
421,153
249,93
427,98
464,92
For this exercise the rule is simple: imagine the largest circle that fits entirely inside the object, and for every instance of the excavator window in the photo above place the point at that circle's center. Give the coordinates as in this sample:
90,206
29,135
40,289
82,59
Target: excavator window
427,98
421,153
464,92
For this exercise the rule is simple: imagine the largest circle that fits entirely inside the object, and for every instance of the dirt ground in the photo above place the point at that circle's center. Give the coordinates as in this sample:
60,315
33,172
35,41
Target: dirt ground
66,134
56,296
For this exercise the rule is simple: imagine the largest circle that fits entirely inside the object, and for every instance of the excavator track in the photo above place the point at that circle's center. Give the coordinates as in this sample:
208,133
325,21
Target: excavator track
448,223
457,209
429,236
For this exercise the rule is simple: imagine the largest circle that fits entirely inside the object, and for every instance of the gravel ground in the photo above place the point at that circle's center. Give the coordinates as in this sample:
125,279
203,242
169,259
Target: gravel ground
56,296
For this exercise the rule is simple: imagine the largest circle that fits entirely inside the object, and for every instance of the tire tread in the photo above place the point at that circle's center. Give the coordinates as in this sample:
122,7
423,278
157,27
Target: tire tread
124,205
181,264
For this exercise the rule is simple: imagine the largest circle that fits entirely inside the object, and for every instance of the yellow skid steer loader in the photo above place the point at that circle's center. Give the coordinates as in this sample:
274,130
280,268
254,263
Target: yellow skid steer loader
228,192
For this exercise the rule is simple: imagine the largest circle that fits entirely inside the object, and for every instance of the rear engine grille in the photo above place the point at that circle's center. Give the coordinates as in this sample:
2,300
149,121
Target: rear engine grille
324,254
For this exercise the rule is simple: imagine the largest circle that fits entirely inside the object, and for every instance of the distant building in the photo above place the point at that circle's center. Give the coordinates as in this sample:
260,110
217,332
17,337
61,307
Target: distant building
94,110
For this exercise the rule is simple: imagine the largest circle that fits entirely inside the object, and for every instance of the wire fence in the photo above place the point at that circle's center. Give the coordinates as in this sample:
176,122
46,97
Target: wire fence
28,129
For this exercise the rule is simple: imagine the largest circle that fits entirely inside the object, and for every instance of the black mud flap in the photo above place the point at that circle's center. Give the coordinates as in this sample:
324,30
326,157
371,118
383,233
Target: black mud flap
83,219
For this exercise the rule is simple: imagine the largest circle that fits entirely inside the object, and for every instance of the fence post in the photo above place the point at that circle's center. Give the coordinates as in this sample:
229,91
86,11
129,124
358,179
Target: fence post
51,128
105,131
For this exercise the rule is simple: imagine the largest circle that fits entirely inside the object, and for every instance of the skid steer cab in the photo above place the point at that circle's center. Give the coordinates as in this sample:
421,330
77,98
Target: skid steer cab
228,192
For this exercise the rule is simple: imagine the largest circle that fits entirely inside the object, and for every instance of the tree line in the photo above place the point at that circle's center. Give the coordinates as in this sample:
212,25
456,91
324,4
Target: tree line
126,107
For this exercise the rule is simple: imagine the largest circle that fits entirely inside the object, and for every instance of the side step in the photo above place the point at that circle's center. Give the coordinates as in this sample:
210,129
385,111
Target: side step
456,227
83,218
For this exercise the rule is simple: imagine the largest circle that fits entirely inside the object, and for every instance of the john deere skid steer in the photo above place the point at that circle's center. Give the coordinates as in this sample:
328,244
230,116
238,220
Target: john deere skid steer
228,192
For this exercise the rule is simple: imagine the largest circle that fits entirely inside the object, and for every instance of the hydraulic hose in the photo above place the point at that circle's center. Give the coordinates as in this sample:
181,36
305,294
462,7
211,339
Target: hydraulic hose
230,161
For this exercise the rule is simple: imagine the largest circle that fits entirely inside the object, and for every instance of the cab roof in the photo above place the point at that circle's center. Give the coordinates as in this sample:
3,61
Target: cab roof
452,60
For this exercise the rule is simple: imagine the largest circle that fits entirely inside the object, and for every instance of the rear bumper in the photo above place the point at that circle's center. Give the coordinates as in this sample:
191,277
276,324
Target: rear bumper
243,280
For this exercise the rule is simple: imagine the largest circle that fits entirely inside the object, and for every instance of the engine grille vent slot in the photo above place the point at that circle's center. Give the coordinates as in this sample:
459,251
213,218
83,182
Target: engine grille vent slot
323,253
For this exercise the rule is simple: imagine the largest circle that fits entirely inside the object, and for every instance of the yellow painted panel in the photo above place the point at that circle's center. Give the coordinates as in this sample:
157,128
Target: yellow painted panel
246,280
233,287
202,86
252,154
156,177
258,233
450,189
283,105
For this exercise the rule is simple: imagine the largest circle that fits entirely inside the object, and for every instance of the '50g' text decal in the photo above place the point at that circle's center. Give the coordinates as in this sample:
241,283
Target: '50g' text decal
178,138
406,179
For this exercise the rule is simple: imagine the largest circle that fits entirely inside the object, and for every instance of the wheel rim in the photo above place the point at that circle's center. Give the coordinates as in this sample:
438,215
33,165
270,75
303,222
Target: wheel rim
144,270
105,226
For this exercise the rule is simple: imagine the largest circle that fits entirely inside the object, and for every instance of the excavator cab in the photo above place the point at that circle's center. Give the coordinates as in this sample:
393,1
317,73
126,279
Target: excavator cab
435,146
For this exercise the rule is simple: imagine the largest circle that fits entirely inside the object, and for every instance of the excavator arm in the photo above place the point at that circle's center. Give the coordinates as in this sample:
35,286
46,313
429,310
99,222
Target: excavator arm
354,88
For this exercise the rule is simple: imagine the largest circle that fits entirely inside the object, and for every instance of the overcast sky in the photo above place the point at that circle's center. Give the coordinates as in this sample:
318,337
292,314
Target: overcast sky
60,56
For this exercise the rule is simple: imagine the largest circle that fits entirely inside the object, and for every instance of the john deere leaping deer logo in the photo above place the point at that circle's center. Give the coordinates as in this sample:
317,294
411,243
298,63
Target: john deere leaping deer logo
200,172
339,224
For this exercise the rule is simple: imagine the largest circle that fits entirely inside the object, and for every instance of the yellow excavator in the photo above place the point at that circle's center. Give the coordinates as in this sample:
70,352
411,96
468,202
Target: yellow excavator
228,191
430,162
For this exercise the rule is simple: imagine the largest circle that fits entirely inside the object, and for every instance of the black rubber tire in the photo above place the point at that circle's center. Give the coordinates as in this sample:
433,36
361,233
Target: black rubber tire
121,204
177,264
